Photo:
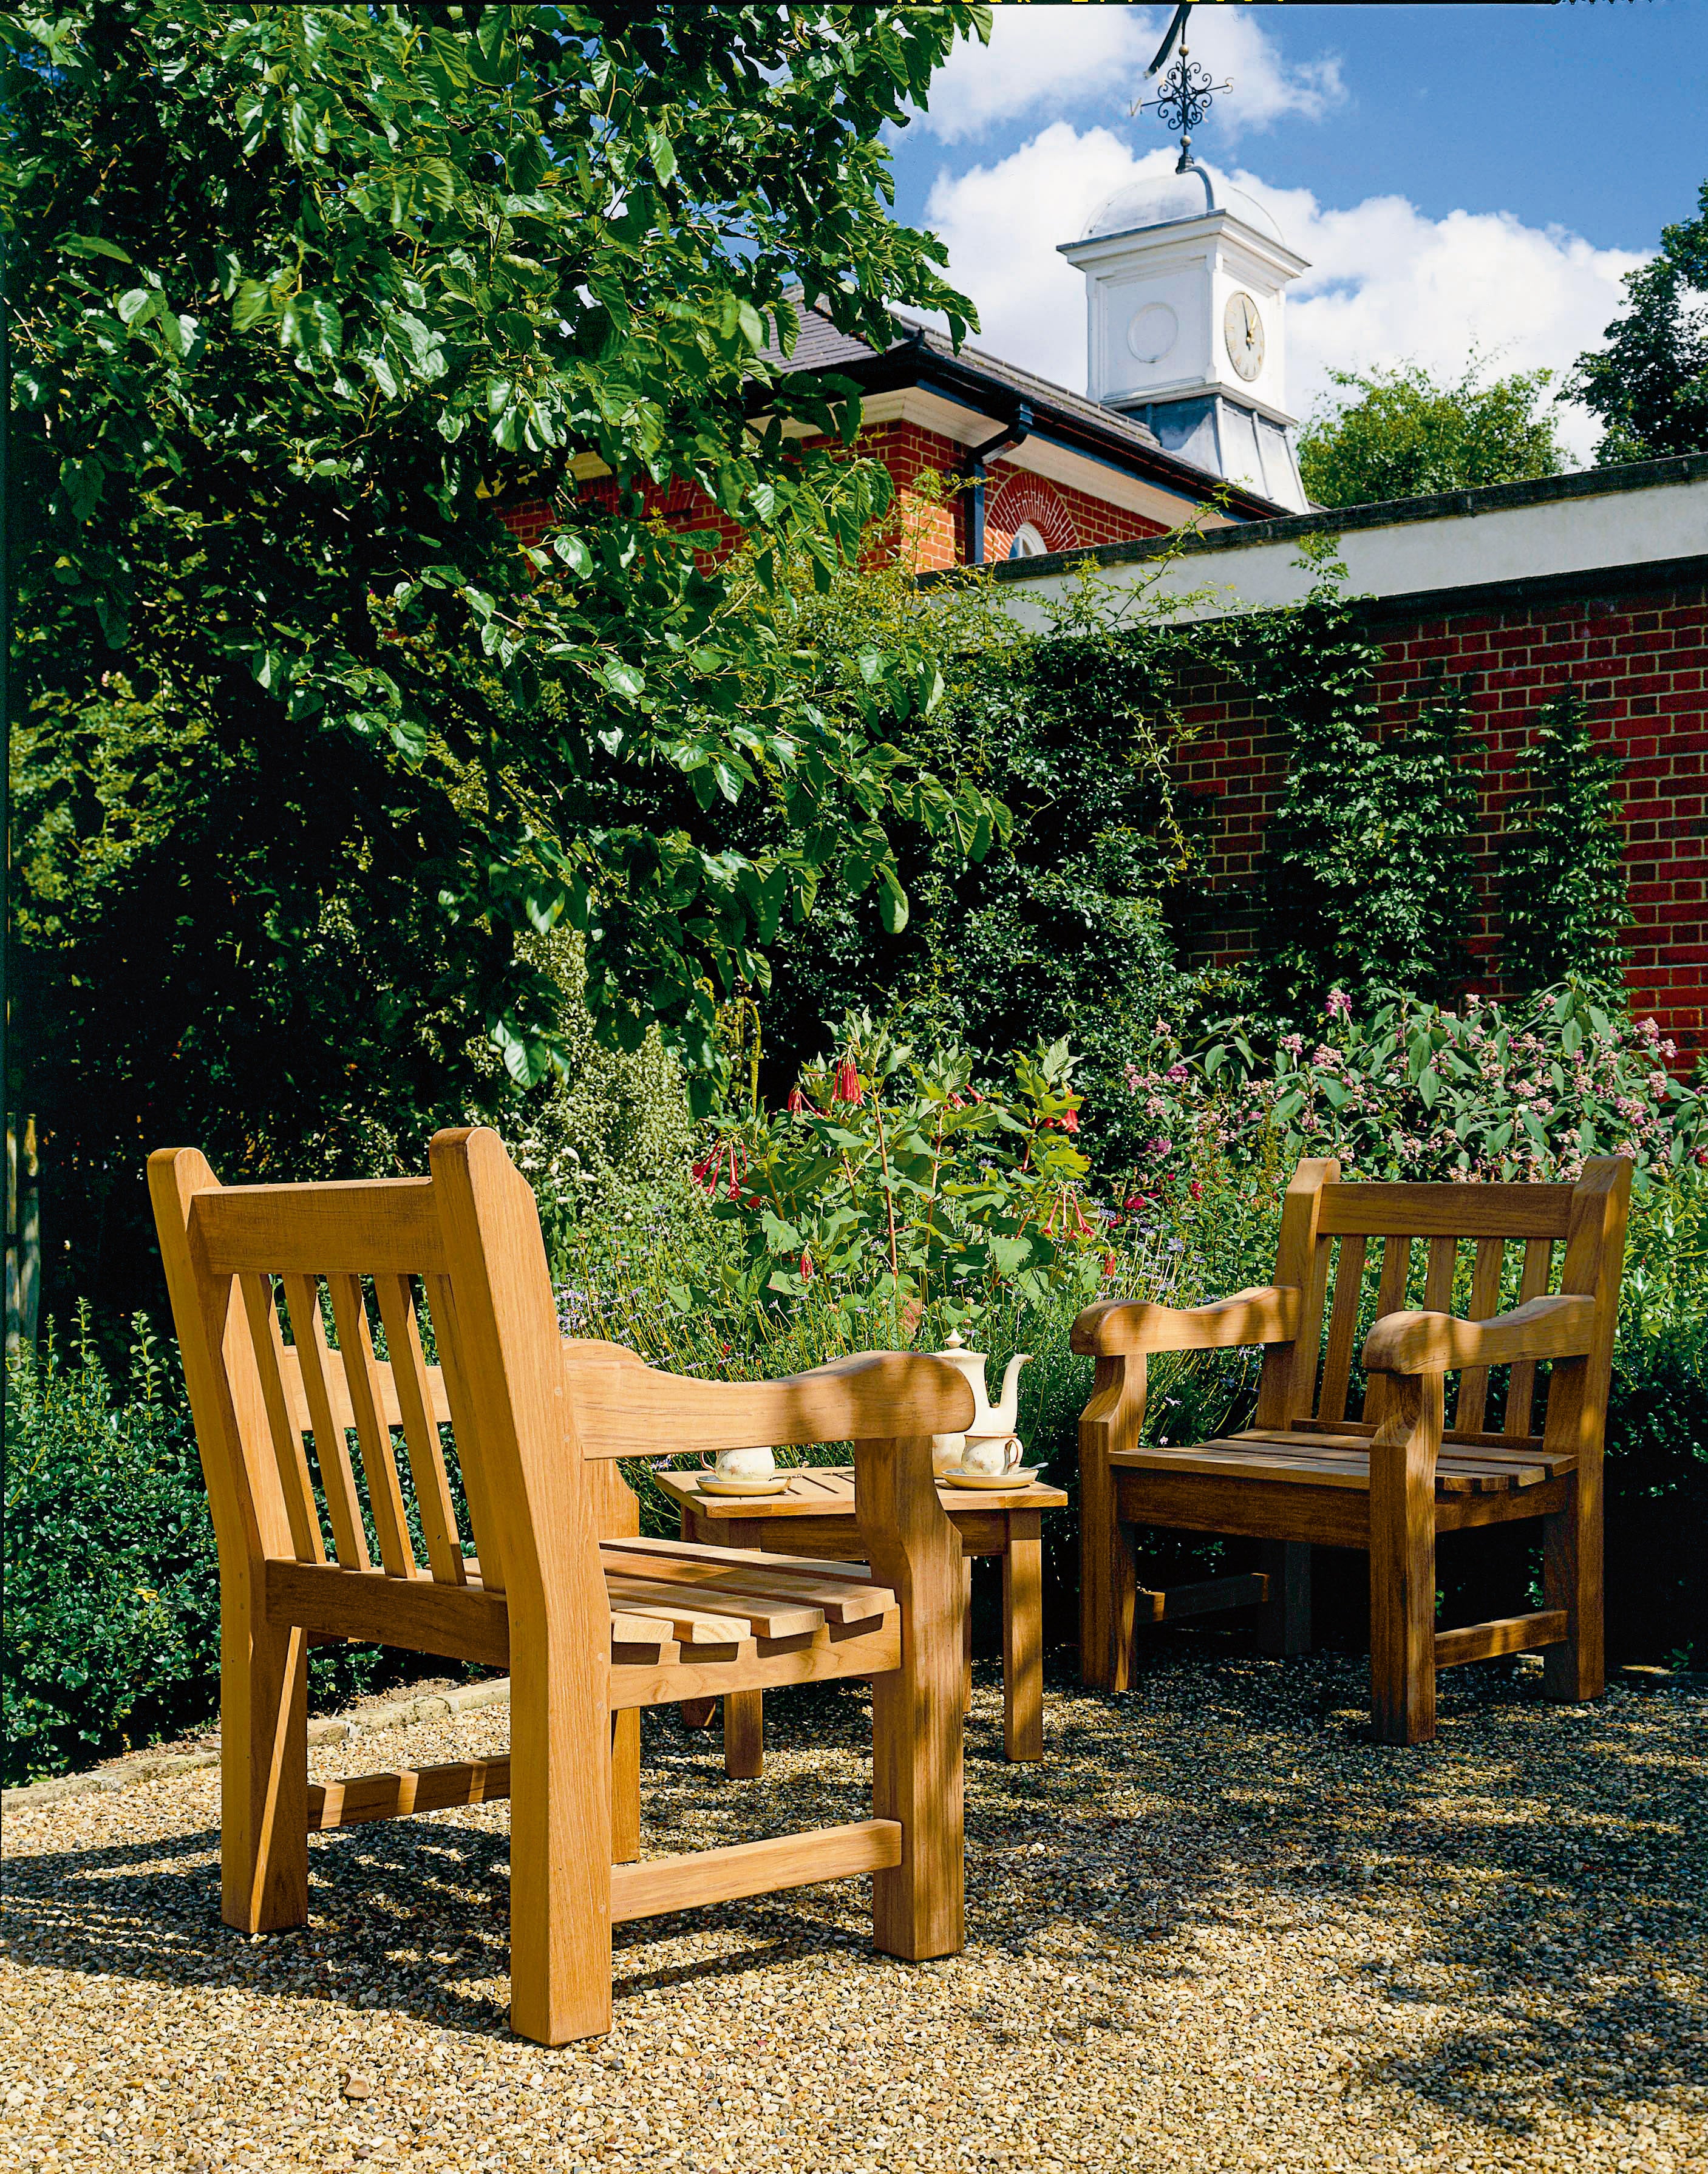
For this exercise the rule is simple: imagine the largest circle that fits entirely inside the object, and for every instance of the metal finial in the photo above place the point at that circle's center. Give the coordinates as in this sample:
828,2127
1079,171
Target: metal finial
1187,93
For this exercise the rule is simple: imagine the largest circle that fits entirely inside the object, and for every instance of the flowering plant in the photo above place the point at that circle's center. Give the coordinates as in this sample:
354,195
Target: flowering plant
902,1174
1413,1090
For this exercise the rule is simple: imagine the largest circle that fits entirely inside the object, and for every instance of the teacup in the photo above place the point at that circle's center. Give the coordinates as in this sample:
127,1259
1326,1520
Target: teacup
744,1464
992,1455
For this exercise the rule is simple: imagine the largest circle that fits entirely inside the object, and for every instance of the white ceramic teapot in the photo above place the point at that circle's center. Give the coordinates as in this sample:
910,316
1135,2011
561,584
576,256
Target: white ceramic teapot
987,1423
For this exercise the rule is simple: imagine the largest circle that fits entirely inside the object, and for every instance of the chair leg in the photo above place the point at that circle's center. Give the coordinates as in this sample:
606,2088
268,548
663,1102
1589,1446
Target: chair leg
918,1907
263,1773
560,1841
744,1735
1571,1579
1402,1561
697,1713
1283,1619
1122,1573
625,1786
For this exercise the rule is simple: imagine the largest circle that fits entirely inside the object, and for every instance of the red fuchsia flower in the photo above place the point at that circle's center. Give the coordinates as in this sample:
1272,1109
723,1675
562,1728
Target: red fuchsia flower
806,1267
797,1101
1700,1157
1135,1201
1196,1189
1109,1264
848,1088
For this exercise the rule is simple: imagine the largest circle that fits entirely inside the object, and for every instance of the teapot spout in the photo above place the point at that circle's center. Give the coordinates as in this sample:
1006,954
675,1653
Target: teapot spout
1008,1409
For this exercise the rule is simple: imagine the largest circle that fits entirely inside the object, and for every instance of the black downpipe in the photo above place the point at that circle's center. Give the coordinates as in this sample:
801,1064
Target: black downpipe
1016,434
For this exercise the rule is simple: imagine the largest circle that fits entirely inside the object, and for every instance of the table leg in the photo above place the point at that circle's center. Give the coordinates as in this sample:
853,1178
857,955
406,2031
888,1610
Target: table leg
744,1711
1022,1637
966,1634
696,1713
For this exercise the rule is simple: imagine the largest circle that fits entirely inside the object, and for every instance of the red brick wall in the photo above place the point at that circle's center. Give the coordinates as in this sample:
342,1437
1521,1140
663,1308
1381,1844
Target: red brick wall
934,530
1639,661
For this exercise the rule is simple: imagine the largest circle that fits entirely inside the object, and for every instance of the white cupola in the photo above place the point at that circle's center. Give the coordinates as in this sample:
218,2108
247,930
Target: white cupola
1186,279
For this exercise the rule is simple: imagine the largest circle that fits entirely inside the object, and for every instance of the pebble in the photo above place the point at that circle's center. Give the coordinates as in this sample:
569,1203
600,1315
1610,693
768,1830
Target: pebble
1217,1929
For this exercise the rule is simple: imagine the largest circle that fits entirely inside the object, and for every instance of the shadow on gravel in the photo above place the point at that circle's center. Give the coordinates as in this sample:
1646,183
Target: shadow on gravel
1528,1896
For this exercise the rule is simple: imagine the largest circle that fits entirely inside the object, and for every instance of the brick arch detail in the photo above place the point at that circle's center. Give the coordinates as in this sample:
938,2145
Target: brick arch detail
1022,498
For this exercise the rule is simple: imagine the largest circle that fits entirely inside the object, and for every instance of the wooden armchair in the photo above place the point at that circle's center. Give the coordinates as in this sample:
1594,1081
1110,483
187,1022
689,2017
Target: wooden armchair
1389,1480
590,1629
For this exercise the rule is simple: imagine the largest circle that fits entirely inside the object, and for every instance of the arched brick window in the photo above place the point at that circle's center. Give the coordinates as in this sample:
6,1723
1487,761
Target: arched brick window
1028,502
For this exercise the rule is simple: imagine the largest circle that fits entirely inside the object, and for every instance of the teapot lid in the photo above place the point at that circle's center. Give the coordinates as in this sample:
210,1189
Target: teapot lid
955,1349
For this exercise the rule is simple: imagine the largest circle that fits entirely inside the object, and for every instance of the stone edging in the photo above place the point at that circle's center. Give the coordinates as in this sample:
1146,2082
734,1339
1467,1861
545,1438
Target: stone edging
337,1728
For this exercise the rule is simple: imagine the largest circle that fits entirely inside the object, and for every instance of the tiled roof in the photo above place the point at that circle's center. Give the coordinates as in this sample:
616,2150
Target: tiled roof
820,346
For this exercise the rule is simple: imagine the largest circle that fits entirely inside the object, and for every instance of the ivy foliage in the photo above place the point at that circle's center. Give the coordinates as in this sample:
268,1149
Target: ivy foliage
304,297
1366,881
1401,433
1565,904
1649,384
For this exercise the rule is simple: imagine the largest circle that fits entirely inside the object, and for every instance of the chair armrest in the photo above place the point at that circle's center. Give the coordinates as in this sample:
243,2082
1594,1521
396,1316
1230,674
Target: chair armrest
1559,1327
623,1407
1267,1313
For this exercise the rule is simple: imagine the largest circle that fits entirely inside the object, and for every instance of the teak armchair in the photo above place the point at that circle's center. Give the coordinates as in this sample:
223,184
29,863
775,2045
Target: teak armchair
591,1629
1389,1480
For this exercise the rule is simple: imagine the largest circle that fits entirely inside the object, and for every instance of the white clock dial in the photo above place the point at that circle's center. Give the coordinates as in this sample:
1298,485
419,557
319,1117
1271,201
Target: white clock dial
1243,330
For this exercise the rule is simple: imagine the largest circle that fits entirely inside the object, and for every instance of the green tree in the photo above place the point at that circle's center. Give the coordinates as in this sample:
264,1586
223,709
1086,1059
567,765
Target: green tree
1648,385
1406,434
301,298
1564,901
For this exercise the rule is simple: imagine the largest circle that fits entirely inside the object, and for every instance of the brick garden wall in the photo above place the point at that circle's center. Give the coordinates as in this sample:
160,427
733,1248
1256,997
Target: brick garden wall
1637,657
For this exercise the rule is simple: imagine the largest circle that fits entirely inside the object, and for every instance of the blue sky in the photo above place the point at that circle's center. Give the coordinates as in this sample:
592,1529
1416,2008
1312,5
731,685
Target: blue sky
1462,178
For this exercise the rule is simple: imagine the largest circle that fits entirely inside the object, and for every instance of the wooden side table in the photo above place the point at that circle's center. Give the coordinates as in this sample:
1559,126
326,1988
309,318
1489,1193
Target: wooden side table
816,1518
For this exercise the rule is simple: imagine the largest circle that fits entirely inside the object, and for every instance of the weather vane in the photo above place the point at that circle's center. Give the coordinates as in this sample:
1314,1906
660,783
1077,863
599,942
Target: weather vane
1187,93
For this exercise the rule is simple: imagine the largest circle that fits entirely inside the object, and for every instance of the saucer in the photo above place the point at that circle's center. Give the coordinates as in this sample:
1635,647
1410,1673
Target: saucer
709,1484
1023,1475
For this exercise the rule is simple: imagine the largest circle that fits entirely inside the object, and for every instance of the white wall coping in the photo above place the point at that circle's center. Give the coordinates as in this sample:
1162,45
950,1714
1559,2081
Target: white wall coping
1651,513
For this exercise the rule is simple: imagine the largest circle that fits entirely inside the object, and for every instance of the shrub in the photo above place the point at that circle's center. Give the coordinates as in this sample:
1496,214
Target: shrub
1409,1090
111,1614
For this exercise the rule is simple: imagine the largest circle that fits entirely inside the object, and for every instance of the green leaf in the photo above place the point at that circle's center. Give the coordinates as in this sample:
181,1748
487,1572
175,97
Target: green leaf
892,901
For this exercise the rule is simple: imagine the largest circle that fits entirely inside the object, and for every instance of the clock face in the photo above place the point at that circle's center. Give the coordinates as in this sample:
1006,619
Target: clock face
1243,330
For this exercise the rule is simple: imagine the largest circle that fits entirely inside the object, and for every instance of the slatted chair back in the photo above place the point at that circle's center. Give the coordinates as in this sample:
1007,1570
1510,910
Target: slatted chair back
407,1260
1361,1252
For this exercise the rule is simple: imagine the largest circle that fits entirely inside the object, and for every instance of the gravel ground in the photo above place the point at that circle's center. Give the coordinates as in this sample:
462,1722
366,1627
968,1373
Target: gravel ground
1216,1929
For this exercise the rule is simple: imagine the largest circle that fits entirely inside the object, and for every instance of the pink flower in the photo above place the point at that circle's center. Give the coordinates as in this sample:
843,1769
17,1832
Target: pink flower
1294,1044
1178,1073
1324,1058
1134,1078
1339,1005
1159,1147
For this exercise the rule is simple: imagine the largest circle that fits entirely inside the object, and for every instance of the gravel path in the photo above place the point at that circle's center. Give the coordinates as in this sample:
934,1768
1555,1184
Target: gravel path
1215,1930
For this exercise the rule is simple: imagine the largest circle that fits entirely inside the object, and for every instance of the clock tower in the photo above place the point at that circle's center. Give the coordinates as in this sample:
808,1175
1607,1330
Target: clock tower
1186,279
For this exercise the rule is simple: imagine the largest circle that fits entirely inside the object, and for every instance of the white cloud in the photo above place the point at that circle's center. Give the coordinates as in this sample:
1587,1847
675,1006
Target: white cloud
1386,283
1044,59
